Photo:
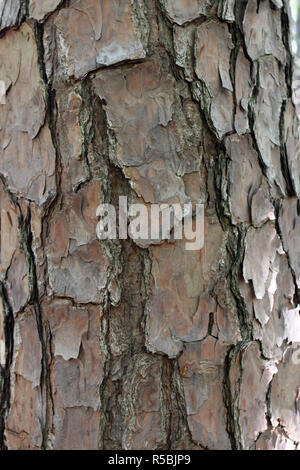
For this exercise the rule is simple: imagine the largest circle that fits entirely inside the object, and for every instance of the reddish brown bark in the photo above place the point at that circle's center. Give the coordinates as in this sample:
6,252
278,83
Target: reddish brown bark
111,345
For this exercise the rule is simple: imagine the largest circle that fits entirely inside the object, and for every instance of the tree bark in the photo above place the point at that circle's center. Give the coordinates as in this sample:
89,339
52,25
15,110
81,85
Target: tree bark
116,345
298,30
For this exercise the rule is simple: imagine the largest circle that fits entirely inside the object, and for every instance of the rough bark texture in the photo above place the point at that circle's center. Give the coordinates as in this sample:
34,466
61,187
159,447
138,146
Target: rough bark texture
297,30
108,345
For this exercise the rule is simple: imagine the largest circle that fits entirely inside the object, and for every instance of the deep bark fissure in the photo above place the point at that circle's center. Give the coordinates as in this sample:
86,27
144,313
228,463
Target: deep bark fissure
5,371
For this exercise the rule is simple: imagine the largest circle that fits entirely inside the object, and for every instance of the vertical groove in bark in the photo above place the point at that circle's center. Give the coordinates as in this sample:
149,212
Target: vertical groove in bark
26,244
5,370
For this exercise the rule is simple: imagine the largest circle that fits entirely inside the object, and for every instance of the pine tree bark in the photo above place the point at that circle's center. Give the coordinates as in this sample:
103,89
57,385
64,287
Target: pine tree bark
298,30
111,345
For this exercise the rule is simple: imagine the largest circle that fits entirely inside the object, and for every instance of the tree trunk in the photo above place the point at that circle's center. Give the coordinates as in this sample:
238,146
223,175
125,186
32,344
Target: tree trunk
114,344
